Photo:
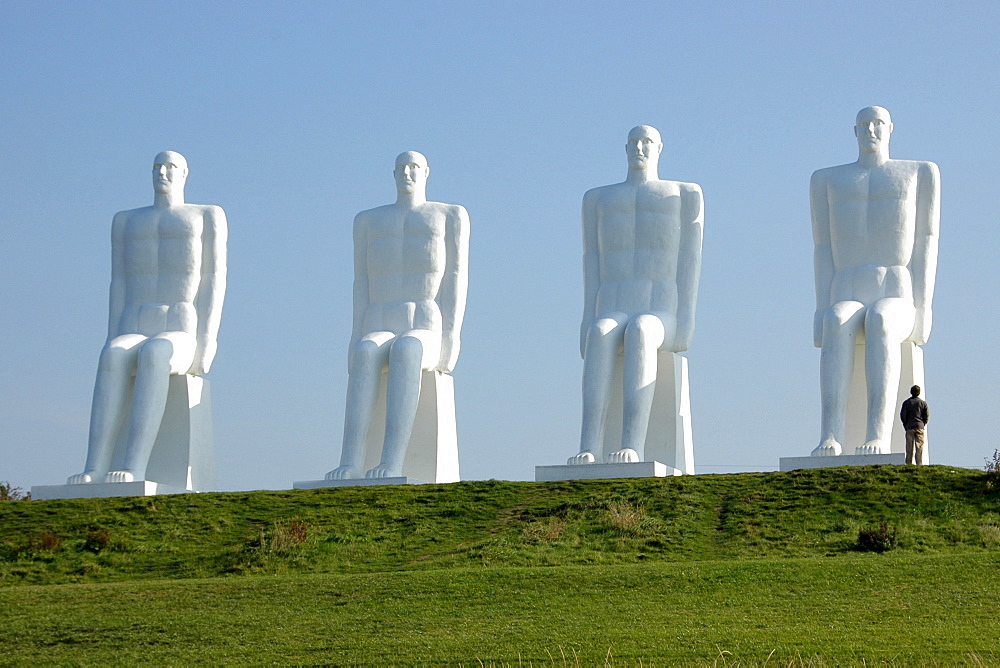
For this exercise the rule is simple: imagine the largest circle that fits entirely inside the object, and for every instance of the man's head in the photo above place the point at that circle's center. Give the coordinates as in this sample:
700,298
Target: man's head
643,147
872,127
170,171
915,391
411,172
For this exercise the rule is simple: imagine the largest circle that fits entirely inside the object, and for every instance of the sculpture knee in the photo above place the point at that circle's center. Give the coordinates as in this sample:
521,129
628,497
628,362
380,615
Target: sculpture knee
645,330
156,354
115,359
367,355
407,350
604,332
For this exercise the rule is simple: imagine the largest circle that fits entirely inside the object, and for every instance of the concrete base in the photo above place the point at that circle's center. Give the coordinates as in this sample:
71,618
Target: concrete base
604,471
669,438
792,463
103,489
911,373
357,482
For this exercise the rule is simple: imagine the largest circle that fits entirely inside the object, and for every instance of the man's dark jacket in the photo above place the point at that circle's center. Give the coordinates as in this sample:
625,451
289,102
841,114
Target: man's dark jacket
914,413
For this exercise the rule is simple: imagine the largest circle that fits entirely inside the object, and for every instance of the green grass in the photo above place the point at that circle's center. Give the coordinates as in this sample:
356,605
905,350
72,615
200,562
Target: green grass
727,570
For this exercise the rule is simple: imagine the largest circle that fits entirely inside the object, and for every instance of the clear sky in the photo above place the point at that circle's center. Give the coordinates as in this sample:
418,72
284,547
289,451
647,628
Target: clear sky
290,115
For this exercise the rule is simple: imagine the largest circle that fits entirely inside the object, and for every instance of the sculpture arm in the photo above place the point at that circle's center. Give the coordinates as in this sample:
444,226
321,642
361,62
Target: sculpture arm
923,263
591,267
211,288
689,264
360,285
454,286
823,265
116,297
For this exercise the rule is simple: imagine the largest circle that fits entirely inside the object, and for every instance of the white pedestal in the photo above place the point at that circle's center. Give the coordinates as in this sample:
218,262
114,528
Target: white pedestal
357,482
604,471
183,456
911,373
793,463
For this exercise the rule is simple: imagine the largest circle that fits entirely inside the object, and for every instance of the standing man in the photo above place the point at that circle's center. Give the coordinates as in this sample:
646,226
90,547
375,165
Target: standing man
915,415
168,281
875,228
642,261
410,283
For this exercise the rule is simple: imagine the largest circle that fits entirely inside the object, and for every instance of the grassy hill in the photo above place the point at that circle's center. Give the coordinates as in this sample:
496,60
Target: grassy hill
825,566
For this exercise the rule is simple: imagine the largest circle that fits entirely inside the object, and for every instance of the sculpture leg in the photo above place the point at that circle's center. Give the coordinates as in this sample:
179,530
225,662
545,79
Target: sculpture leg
408,356
643,336
370,355
159,357
840,331
114,372
887,323
603,342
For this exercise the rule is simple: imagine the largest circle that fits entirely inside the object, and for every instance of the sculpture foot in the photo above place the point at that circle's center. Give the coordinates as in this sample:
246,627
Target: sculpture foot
343,473
383,471
119,476
584,457
623,456
79,479
872,447
828,448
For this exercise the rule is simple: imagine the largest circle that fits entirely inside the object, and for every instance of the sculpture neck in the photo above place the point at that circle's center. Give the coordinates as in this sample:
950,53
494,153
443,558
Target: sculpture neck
641,175
168,200
410,200
876,159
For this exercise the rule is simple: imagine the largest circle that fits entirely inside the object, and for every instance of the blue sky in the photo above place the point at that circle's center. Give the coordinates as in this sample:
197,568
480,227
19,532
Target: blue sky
291,114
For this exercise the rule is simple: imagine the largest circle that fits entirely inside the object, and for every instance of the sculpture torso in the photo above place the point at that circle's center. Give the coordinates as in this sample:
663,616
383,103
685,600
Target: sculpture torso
638,237
872,213
162,263
405,256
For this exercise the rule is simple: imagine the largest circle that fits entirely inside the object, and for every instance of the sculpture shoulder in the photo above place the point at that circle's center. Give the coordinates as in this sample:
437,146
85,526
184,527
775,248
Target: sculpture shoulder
123,216
451,211
373,214
828,173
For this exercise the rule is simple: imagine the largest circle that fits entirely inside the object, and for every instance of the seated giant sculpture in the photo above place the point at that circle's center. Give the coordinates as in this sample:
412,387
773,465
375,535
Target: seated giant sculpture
875,227
168,281
410,282
642,261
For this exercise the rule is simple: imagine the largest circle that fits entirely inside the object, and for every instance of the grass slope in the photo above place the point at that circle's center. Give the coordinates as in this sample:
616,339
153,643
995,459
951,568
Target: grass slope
727,569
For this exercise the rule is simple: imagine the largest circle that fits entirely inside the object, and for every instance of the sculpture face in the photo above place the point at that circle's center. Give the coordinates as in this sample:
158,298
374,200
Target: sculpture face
170,171
643,146
873,128
411,172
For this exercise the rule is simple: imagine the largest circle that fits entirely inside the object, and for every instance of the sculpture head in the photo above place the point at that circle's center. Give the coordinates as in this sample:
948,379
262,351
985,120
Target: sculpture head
411,173
643,148
873,127
170,171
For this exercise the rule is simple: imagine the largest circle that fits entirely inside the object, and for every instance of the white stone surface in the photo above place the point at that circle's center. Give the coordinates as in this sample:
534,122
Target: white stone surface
911,373
793,463
875,228
604,471
668,438
102,489
410,284
642,263
168,282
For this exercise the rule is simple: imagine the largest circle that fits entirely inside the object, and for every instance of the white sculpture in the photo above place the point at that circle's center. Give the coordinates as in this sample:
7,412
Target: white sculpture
410,283
875,227
642,261
168,281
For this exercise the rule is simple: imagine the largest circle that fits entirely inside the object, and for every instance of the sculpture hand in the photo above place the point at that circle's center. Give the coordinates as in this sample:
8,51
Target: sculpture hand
921,327
818,328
